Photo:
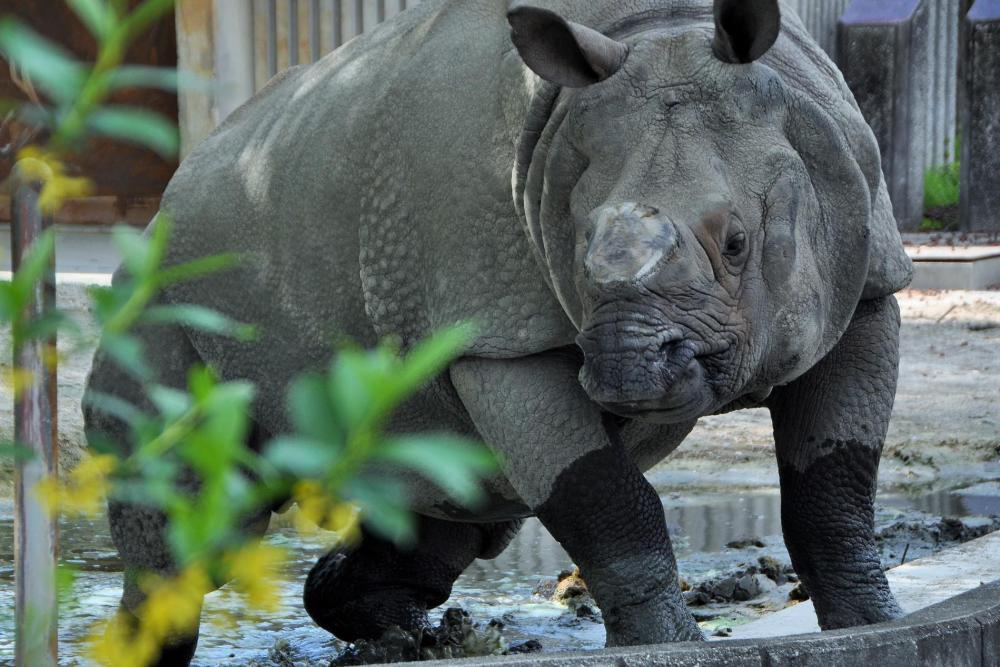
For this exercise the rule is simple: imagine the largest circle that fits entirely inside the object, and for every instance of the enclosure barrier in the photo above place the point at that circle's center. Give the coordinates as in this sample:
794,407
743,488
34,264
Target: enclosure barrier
963,631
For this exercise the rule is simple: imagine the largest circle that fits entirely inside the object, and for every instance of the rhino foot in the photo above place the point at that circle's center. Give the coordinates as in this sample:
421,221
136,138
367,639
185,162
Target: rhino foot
363,591
657,621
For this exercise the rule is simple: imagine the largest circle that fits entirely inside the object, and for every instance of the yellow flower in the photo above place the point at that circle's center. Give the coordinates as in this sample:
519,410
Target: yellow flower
60,188
173,606
312,504
18,379
318,510
113,643
345,520
83,491
34,164
256,569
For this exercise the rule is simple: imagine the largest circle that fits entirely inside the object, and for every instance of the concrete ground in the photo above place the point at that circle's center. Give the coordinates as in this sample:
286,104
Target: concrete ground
945,428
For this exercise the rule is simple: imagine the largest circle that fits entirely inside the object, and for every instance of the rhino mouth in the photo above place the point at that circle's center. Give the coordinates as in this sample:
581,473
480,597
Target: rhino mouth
658,375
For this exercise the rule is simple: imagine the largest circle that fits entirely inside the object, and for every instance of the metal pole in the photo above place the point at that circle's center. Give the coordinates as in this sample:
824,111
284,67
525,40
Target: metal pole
338,23
36,535
293,33
272,38
315,34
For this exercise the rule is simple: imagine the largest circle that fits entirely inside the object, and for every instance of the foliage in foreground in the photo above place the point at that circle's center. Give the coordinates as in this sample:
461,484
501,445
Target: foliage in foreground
338,464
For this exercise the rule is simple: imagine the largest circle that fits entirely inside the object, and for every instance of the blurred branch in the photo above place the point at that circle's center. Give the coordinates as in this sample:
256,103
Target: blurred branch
100,80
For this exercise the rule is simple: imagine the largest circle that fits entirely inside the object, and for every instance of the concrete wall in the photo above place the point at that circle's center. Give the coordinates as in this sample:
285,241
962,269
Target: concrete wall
821,16
961,632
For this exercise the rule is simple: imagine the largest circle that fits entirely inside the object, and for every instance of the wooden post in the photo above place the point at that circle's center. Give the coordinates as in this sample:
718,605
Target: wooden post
214,42
36,535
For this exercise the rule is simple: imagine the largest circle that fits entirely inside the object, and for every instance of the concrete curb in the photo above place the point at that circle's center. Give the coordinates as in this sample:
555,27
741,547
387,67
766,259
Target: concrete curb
963,631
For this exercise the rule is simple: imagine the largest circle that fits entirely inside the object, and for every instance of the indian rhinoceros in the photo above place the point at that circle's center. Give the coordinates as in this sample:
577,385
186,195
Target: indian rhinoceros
653,210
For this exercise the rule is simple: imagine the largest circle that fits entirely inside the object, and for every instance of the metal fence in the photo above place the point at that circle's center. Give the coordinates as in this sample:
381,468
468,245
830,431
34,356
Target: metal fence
289,32
820,18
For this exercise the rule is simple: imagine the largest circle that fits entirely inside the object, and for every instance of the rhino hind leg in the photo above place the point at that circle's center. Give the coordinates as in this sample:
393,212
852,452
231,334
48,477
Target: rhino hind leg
829,428
138,531
360,592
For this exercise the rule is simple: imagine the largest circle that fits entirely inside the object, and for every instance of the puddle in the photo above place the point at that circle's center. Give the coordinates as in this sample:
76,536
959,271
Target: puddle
700,527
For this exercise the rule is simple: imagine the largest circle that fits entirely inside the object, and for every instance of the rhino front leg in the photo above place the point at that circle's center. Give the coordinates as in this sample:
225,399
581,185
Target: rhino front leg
581,483
829,428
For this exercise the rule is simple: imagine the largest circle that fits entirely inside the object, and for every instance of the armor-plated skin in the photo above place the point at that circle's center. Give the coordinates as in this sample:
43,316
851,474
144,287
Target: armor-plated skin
652,212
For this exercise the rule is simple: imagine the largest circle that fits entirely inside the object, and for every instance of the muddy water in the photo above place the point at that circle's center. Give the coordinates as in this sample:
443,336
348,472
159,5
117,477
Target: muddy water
700,526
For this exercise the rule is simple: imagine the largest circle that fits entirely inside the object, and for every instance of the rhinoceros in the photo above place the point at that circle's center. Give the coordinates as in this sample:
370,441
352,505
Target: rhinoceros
653,210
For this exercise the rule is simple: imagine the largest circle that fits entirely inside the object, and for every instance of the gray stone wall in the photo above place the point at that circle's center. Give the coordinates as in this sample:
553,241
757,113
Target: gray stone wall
980,177
882,50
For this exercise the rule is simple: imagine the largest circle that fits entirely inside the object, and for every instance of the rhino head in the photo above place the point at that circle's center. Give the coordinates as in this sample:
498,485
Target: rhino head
708,212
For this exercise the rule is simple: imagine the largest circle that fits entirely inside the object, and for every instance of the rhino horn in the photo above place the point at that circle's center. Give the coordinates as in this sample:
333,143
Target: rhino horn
563,52
745,29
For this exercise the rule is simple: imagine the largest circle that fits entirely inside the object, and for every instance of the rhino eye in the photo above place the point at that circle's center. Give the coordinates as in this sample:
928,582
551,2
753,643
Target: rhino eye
735,245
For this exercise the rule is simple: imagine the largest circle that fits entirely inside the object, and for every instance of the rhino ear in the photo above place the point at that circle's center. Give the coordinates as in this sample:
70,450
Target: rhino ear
745,29
562,52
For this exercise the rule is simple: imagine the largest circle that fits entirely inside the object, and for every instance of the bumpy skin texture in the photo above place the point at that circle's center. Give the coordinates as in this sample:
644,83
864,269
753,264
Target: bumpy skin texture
654,210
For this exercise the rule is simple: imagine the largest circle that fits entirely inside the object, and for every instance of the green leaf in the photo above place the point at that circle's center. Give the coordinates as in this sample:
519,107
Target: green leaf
95,15
49,67
36,263
65,579
311,412
129,353
49,324
453,463
200,318
170,402
384,508
202,381
301,457
134,248
431,355
109,300
351,387
113,406
425,361
163,78
10,450
10,302
197,268
140,126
